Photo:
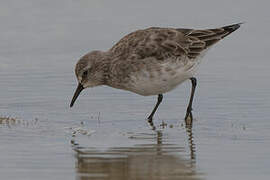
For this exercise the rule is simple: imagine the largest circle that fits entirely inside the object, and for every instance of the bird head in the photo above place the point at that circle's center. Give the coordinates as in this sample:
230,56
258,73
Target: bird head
89,72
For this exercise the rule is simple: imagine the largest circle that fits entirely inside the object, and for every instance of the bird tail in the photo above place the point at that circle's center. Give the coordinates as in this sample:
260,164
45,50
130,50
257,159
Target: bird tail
212,36
229,29
203,39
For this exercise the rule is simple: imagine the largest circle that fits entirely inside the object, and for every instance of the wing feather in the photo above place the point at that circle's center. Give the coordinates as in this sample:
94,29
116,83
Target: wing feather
161,43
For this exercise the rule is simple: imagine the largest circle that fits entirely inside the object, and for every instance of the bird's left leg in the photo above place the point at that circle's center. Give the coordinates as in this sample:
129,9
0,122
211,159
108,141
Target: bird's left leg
150,118
189,108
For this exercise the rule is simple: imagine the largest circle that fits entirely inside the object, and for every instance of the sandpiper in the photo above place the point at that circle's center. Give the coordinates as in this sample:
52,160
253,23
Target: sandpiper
151,61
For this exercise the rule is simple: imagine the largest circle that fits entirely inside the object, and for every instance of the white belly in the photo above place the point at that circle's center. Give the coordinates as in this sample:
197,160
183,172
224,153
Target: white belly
169,76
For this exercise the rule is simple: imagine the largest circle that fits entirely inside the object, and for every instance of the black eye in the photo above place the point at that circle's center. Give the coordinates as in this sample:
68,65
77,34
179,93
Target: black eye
85,73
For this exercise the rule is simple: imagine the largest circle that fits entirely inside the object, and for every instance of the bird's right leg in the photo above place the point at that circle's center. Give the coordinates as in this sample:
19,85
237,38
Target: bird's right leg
189,117
150,118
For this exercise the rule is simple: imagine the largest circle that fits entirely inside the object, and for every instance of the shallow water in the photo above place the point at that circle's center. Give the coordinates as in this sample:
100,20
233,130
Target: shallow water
105,135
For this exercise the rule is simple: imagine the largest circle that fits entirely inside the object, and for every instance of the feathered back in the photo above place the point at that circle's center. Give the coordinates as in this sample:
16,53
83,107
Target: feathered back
163,42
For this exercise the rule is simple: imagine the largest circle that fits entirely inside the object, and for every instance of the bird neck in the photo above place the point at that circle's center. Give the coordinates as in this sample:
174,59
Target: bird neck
104,64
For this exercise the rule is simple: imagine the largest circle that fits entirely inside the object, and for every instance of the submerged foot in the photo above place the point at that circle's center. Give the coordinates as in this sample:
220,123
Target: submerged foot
189,116
150,121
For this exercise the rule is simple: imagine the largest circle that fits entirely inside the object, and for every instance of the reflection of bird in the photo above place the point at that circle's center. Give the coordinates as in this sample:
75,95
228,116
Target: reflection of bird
191,142
152,61
152,161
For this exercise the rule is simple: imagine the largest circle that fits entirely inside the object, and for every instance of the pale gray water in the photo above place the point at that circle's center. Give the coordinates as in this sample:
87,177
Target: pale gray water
40,42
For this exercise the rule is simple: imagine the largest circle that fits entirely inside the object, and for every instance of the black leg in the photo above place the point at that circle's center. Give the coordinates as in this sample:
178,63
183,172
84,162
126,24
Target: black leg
189,108
150,118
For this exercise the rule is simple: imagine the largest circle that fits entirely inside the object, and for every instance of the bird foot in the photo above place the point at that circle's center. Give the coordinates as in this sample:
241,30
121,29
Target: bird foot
189,118
150,121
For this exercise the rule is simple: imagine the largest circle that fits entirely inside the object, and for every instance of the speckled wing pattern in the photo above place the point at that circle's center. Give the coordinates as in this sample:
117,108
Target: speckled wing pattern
162,43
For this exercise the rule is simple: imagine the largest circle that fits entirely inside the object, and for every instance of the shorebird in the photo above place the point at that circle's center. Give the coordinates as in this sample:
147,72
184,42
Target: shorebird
151,61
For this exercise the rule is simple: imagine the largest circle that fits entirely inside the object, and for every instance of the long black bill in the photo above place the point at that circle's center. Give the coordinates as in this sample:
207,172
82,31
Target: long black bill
76,94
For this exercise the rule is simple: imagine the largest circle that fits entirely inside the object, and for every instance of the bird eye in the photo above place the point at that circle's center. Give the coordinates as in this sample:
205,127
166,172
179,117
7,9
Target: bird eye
85,73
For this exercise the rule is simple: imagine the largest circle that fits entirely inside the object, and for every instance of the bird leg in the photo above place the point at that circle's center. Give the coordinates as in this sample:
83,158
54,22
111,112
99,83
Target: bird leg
150,118
189,108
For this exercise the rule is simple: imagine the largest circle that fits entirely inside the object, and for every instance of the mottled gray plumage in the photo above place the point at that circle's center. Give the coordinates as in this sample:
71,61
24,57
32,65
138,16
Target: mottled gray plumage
150,61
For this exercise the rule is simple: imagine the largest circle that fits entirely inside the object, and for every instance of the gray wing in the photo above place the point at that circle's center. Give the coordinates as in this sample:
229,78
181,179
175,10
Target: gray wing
159,43
162,43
